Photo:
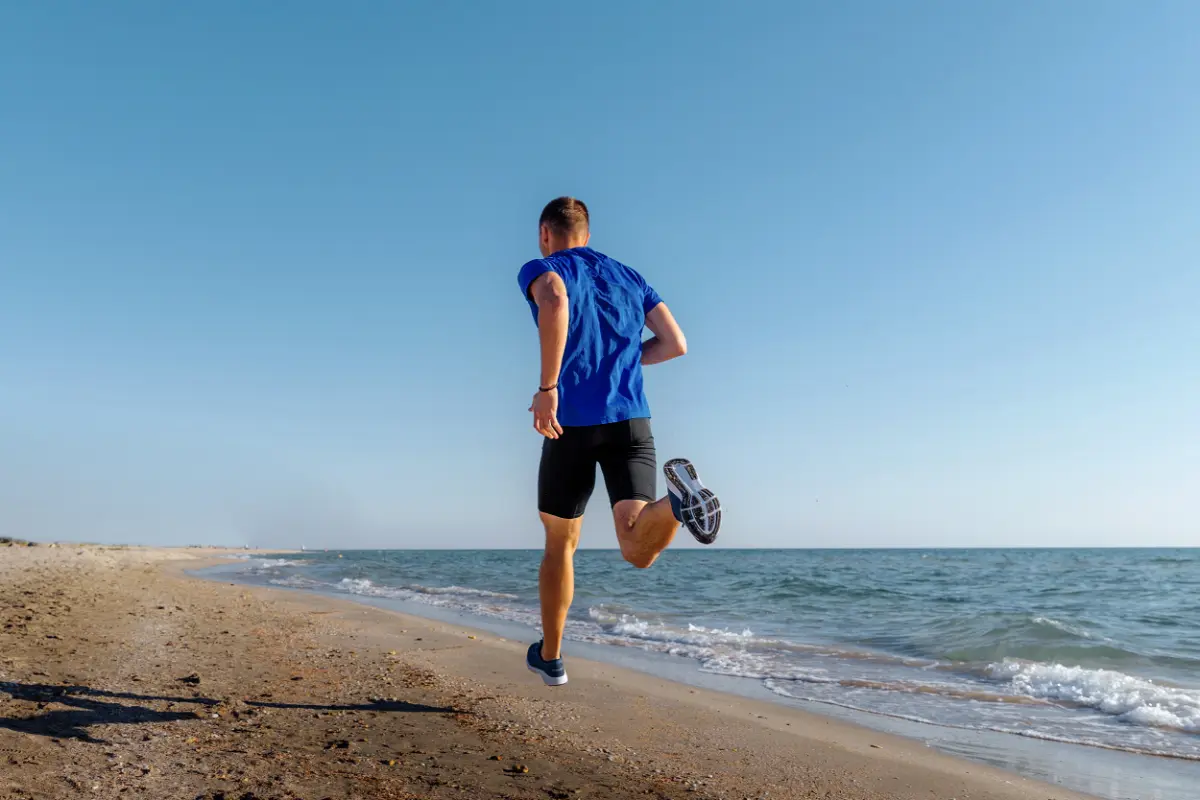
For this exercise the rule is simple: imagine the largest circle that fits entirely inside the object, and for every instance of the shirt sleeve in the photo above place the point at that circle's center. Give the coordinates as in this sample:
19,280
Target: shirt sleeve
530,272
650,298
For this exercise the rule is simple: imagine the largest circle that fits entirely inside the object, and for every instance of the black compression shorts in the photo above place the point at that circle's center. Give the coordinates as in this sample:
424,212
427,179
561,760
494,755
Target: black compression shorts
625,453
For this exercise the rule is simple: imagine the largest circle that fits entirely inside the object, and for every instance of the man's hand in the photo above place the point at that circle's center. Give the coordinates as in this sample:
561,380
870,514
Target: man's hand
545,414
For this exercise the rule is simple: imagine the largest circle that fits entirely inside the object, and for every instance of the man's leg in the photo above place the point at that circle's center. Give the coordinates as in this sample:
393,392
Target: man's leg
644,529
556,580
645,526
566,478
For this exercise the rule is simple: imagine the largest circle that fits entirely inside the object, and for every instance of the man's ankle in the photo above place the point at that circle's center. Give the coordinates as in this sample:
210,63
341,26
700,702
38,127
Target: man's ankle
546,650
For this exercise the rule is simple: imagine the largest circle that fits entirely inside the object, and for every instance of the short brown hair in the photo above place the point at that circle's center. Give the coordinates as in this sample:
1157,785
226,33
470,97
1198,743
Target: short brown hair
565,216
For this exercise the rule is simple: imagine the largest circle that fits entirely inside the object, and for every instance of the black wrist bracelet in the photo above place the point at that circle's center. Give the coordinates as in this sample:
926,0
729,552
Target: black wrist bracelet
547,388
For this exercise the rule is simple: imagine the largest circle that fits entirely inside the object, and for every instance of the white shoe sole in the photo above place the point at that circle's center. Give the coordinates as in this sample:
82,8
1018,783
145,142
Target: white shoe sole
699,507
546,679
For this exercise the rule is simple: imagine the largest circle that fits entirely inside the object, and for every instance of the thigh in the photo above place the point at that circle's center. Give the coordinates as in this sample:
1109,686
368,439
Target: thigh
629,463
567,474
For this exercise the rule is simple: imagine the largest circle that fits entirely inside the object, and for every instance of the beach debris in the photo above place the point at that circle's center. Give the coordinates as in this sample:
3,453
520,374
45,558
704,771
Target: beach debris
518,769
338,744
494,758
192,679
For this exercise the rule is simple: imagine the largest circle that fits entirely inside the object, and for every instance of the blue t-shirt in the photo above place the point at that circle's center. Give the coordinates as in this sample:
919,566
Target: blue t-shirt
601,377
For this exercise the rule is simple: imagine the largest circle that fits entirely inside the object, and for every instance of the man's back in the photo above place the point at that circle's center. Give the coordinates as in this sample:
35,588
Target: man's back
601,378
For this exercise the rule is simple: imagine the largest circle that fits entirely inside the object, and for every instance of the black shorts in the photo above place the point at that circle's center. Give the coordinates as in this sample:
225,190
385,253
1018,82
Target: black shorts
625,453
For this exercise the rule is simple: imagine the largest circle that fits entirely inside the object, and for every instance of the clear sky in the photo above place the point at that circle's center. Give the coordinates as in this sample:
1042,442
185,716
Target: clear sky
938,264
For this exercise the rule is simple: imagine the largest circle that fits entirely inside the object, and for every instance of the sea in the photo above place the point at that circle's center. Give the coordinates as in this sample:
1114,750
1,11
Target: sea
1078,667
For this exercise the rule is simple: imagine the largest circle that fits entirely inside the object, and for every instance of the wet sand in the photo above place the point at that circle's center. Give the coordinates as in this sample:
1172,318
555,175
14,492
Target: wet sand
122,677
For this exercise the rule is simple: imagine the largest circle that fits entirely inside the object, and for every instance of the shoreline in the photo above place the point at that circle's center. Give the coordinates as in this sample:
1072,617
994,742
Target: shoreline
612,732
1085,764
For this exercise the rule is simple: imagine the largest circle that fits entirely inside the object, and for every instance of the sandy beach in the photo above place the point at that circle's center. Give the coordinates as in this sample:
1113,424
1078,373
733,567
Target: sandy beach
120,676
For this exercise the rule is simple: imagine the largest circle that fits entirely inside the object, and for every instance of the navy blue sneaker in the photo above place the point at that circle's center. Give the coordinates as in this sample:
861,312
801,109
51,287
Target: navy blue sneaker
553,672
692,504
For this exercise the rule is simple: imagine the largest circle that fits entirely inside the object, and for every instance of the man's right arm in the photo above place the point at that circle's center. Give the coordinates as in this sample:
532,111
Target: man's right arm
549,293
668,341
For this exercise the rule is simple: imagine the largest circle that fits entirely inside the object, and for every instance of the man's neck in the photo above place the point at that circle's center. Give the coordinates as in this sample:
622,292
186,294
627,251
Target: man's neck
559,247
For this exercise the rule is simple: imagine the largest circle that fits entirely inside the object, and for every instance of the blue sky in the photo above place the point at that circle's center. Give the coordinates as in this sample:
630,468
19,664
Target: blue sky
938,264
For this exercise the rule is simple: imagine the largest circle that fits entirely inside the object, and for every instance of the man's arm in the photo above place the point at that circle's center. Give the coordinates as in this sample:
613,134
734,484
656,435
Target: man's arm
549,293
668,341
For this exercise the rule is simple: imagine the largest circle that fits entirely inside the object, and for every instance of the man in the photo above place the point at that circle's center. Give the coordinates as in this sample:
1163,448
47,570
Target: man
590,312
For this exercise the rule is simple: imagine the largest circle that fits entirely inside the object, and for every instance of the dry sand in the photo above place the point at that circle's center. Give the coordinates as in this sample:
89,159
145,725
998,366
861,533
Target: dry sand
121,677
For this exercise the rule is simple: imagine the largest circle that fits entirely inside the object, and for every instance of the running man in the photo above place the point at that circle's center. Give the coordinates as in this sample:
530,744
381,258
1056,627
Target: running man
590,312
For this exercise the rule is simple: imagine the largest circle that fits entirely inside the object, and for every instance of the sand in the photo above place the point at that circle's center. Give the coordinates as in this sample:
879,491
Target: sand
121,677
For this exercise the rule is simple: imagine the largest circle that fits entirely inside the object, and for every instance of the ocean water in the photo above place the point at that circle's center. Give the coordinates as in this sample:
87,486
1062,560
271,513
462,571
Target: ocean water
1099,648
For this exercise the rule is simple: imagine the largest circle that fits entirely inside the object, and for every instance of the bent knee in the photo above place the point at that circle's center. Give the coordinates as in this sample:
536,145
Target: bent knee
626,513
640,560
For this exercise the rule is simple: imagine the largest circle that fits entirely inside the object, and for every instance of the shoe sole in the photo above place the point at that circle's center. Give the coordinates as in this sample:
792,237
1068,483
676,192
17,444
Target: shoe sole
546,679
699,507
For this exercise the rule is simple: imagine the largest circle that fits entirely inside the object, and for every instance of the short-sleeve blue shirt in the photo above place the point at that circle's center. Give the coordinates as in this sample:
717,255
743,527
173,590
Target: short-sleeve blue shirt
601,377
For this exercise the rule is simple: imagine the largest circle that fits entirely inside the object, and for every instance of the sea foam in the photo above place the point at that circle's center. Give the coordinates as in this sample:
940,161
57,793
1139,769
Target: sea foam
1133,700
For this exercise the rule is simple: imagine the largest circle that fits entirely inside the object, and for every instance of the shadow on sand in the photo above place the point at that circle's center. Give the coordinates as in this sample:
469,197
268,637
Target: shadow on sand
99,707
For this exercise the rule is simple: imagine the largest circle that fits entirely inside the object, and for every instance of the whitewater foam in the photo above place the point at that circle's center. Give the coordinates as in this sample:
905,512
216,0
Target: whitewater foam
634,628
1028,733
461,591
364,586
268,565
1134,700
